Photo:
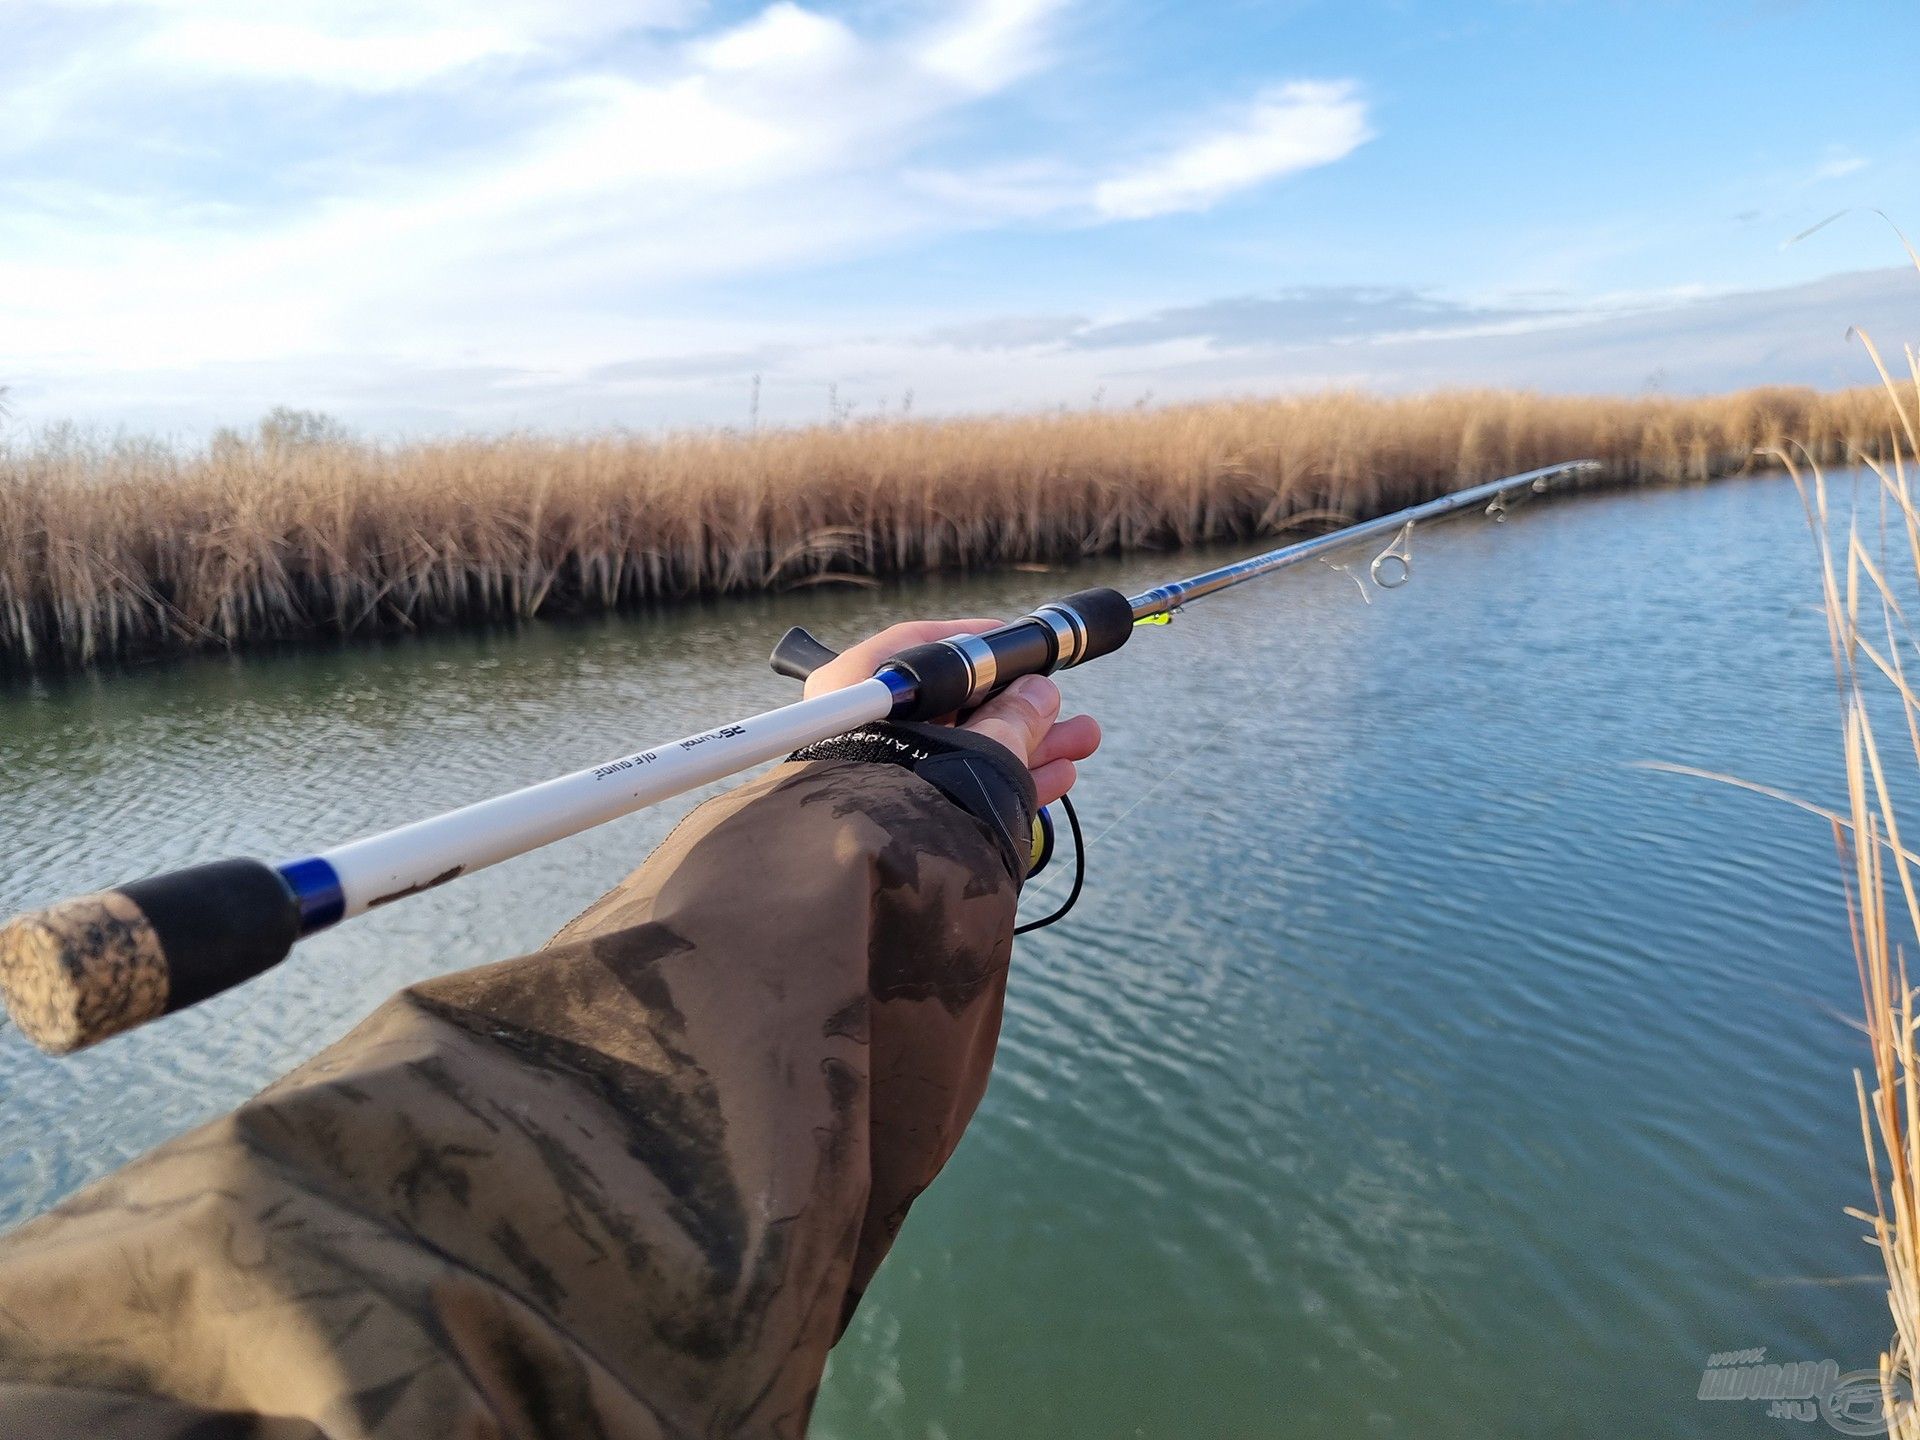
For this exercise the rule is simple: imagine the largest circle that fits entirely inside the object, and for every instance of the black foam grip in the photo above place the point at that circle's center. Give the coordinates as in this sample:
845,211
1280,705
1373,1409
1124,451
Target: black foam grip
1023,648
1108,616
217,924
941,680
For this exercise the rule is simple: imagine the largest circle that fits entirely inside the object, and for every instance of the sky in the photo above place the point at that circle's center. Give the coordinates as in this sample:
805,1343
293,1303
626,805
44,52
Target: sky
427,217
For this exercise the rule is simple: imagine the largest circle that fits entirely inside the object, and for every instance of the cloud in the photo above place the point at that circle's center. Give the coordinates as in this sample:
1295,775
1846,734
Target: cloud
1325,313
335,201
990,44
1288,129
371,45
724,365
783,37
1304,315
209,207
1680,342
1793,334
1012,332
772,141
1020,190
1840,165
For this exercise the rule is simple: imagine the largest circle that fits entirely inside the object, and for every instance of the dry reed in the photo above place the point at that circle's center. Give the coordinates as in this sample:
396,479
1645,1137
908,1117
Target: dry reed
130,548
1869,629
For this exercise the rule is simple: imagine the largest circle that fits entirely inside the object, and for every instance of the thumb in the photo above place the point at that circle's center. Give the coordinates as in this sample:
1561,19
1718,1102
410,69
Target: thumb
1019,716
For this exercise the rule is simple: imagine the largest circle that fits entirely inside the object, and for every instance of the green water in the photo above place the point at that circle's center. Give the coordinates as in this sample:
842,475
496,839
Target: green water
1412,1066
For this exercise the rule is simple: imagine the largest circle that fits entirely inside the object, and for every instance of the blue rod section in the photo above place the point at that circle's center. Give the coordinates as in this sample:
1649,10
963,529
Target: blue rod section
316,888
902,687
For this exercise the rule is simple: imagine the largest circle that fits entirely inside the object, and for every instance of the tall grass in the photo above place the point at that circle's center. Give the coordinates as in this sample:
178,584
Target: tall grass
1871,634
125,548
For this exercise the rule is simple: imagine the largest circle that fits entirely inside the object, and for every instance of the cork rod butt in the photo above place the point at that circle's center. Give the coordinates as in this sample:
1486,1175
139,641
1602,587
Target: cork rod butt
82,970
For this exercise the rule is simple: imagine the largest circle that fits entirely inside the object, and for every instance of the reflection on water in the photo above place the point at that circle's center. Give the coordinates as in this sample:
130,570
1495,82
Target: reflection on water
1412,1065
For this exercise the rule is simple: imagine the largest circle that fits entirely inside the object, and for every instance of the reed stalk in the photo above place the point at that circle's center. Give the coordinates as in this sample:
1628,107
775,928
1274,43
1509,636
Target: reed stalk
129,548
1869,631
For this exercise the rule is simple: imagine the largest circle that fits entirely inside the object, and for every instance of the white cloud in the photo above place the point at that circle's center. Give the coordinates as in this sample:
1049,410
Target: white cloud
1839,165
708,372
990,43
1291,128
275,49
1027,189
162,51
772,141
372,45
781,37
526,194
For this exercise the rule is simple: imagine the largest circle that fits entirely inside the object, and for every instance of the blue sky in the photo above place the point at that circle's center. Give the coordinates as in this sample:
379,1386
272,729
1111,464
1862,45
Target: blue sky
430,217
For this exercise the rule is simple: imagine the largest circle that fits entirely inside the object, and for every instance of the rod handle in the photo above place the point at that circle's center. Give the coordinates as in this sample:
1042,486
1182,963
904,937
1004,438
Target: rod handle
799,654
961,673
87,968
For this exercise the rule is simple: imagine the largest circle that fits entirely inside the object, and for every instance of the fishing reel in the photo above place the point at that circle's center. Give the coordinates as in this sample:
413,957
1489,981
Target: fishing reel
799,653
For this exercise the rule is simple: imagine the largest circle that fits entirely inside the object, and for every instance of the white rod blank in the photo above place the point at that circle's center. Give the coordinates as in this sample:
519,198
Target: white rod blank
430,852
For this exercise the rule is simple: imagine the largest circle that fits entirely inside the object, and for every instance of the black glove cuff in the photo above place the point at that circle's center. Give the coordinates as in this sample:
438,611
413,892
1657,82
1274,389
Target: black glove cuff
979,775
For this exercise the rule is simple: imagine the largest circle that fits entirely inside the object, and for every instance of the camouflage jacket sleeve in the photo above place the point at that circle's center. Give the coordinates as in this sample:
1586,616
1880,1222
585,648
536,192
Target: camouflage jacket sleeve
630,1186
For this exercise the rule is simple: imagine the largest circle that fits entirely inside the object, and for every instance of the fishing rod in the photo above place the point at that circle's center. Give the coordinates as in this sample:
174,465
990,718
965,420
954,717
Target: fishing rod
90,967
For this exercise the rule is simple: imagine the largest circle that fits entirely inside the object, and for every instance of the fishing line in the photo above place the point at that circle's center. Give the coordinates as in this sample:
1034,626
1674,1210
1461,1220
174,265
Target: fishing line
1399,549
1081,843
1147,794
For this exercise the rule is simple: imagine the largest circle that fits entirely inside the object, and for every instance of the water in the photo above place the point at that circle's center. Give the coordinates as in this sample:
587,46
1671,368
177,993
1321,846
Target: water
1412,1065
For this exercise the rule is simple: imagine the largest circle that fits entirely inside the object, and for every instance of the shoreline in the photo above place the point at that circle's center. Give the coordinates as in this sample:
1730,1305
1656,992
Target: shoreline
133,552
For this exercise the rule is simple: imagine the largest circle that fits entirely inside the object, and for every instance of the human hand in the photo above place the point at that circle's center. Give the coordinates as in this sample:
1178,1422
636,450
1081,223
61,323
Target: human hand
1024,717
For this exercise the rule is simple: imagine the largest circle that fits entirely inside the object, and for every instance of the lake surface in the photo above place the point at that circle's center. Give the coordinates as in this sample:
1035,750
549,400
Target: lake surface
1413,1065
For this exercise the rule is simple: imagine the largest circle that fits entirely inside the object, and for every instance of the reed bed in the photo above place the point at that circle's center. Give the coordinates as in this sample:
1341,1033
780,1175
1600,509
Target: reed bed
1870,630
131,548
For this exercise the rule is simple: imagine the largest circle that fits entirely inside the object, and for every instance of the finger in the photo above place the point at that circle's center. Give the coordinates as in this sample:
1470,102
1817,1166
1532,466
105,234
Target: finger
1053,780
1073,739
1019,716
858,662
